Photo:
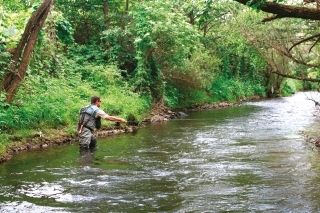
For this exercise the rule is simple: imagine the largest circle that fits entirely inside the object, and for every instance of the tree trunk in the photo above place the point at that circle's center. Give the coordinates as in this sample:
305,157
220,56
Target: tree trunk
127,6
21,57
106,14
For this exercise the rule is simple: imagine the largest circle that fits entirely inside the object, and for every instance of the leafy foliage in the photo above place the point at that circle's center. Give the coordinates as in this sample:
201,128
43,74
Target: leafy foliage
258,4
233,89
64,31
12,24
54,103
288,87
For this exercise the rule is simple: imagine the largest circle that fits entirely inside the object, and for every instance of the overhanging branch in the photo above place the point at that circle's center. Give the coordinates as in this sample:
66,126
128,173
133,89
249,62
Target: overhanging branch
296,77
287,11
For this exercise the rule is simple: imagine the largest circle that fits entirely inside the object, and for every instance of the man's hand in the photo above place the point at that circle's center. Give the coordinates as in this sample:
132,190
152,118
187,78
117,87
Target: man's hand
121,120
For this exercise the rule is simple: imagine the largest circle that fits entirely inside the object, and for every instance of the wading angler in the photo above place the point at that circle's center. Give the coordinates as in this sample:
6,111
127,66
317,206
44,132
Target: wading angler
89,119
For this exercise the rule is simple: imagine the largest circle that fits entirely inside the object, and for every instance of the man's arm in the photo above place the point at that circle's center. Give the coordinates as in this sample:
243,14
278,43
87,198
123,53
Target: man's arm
104,115
116,119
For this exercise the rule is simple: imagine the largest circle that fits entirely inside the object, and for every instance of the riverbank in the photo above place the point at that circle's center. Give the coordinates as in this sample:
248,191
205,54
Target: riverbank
57,137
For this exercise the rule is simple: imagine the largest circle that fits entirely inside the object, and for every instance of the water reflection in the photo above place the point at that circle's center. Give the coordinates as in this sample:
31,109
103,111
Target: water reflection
87,156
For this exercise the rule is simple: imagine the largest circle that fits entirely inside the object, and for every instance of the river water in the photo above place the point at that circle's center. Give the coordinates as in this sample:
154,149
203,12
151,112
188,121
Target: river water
250,158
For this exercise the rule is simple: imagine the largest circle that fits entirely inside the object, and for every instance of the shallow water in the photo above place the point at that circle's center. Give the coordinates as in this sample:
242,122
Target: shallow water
250,158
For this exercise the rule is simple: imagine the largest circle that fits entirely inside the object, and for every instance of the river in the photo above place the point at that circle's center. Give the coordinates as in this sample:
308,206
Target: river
250,158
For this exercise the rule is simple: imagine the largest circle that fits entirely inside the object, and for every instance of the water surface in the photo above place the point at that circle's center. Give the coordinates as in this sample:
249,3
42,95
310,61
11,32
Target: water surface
250,158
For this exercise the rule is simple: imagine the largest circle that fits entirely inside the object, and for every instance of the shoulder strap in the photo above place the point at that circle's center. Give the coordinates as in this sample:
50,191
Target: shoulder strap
95,109
81,115
84,123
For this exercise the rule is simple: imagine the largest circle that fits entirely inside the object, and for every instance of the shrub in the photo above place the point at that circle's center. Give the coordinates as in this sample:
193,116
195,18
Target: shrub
288,87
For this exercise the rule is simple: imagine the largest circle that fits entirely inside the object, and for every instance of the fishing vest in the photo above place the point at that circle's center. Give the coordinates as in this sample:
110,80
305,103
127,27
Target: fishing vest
88,118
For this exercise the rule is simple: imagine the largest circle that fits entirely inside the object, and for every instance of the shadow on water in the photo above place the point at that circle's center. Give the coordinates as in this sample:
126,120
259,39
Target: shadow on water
250,158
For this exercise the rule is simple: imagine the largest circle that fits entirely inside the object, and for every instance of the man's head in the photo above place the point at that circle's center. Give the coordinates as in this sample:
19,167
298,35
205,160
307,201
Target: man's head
96,100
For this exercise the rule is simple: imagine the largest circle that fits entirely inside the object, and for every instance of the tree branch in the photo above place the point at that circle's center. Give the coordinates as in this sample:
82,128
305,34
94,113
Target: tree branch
287,11
296,77
271,18
304,40
285,52
314,44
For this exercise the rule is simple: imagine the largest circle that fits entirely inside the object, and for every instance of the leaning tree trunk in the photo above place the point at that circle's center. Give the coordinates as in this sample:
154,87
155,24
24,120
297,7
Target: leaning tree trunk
106,14
21,57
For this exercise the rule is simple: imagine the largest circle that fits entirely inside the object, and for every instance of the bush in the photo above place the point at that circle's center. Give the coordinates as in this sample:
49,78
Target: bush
224,89
288,87
171,96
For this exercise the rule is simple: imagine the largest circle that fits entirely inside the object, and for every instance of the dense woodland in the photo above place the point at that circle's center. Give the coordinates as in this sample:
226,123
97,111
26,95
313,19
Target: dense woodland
56,54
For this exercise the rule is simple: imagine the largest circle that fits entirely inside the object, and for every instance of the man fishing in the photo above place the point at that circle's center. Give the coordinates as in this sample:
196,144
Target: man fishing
89,119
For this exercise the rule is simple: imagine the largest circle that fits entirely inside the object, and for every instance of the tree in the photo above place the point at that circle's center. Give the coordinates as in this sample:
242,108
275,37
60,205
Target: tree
303,56
22,54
